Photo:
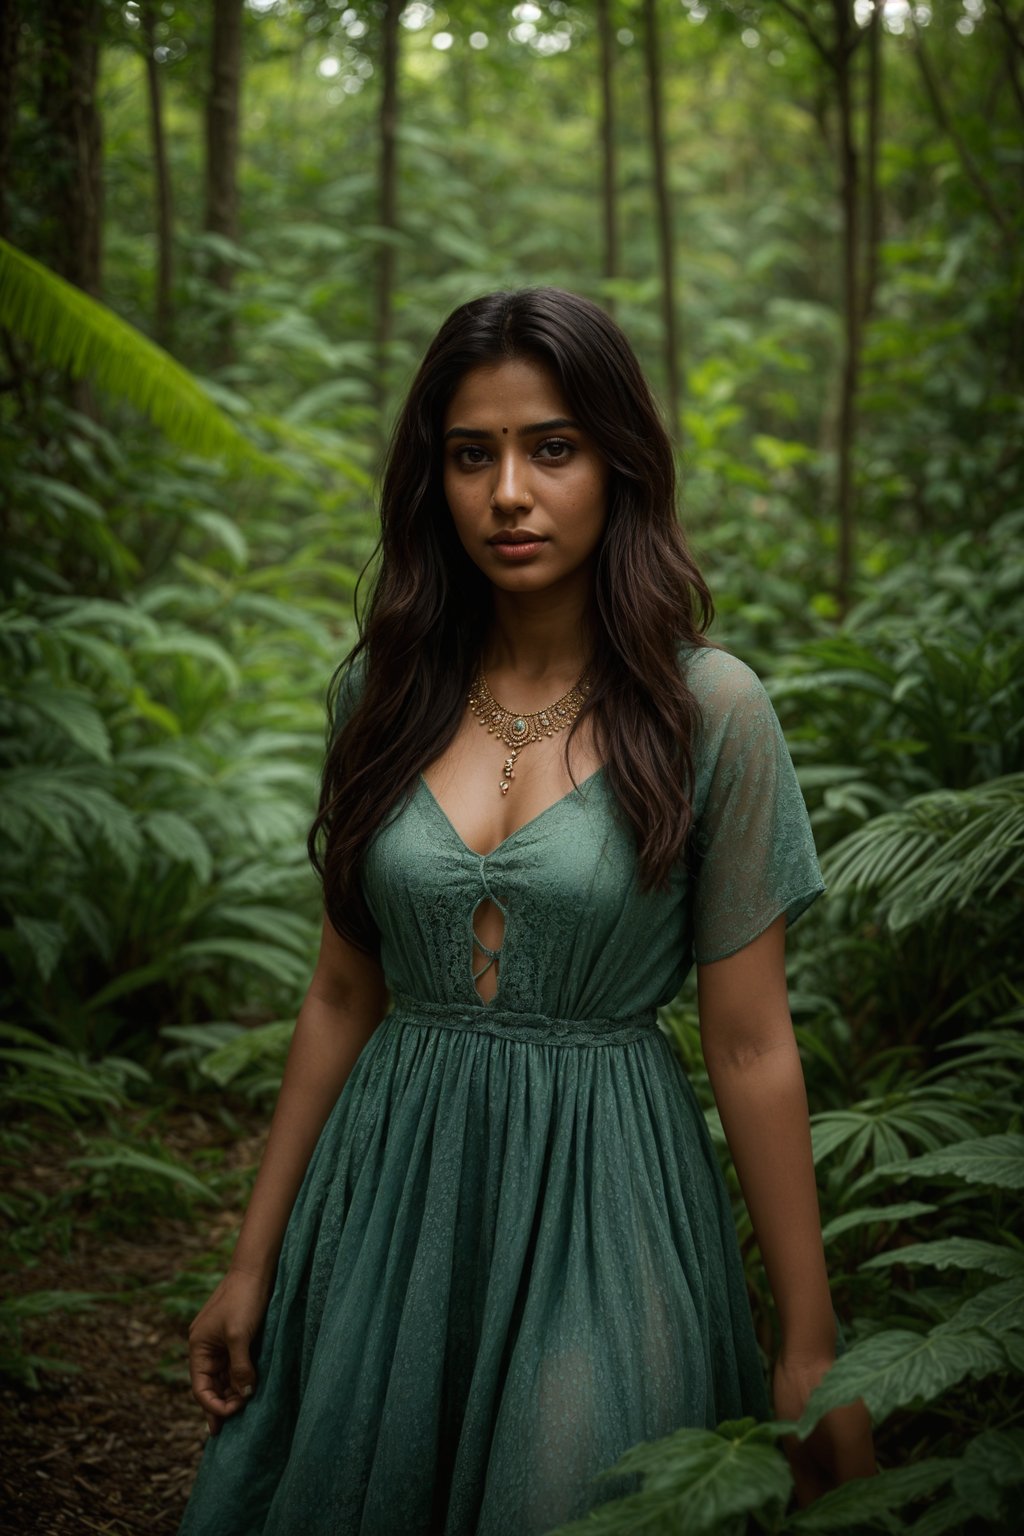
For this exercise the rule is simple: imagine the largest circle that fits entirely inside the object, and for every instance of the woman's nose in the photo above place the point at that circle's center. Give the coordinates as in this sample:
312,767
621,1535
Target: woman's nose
511,486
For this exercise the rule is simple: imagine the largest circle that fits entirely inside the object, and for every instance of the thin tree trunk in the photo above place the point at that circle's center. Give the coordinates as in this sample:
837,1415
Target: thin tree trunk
13,380
70,182
1014,52
945,120
222,141
73,187
874,210
664,212
850,196
608,178
163,318
10,24
387,201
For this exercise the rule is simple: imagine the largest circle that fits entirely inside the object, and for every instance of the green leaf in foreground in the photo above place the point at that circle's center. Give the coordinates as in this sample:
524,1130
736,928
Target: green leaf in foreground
994,1461
954,1253
866,1498
71,330
895,1367
997,1160
696,1480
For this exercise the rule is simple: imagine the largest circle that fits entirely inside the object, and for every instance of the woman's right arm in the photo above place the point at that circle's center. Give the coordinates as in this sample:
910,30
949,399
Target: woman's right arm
346,1000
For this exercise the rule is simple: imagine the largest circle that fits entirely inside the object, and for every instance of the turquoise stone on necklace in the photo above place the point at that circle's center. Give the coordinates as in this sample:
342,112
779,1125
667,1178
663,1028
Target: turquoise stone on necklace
519,726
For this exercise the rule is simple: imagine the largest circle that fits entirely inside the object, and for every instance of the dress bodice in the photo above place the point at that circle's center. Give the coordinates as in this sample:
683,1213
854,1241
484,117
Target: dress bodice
581,938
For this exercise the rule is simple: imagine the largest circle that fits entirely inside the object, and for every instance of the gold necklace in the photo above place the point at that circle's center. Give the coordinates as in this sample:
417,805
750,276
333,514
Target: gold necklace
518,728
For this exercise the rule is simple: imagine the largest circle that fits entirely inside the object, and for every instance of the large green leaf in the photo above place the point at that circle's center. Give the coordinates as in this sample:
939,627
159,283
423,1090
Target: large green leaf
997,1160
954,1253
895,1367
865,1498
869,1215
696,1480
992,1463
69,329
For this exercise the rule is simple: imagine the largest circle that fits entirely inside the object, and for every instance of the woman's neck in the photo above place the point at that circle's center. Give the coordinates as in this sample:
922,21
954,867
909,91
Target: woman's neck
539,637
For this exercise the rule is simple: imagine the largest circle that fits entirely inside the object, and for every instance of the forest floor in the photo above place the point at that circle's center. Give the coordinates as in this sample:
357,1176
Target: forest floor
112,1447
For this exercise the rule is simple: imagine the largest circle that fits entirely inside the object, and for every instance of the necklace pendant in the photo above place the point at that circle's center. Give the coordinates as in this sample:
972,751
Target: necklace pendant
519,730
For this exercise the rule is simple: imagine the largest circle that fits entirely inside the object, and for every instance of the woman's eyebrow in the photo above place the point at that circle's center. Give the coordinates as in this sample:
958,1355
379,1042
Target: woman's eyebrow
536,426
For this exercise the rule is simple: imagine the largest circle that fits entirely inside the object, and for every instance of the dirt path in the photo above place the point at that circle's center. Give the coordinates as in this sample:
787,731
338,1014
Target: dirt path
114,1447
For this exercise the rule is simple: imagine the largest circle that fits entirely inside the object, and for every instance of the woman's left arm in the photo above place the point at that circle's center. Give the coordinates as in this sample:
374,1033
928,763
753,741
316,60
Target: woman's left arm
757,1079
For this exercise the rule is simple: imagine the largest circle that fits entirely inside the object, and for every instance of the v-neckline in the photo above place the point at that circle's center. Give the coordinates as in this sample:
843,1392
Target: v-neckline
518,830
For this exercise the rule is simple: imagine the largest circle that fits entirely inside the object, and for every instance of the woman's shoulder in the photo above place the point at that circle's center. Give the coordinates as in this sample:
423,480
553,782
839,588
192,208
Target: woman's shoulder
720,681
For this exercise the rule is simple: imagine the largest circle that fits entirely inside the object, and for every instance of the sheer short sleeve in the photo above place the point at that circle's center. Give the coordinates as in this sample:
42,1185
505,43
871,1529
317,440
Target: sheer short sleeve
755,853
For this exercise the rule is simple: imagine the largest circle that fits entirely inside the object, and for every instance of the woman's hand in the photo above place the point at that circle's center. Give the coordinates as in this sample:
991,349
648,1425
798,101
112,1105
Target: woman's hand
839,1447
219,1363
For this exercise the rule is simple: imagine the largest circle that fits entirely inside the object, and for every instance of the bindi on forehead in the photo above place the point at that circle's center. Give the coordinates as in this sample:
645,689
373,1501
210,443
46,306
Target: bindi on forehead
505,430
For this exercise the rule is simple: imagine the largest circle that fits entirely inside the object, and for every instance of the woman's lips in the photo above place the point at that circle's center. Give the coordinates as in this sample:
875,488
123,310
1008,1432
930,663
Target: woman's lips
518,551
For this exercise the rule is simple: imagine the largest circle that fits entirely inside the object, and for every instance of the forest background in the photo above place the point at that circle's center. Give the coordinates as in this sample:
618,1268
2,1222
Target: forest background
227,231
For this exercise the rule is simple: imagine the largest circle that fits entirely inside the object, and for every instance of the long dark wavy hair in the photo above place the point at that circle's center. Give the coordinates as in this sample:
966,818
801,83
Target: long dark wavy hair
403,684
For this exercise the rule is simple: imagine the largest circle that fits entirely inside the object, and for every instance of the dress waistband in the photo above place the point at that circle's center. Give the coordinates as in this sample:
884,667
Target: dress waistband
533,1028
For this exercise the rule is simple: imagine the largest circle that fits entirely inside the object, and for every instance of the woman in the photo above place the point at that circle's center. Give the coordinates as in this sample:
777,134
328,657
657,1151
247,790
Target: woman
489,1247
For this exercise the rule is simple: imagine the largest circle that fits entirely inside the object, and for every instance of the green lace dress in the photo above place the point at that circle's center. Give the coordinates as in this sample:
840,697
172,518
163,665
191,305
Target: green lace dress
513,1254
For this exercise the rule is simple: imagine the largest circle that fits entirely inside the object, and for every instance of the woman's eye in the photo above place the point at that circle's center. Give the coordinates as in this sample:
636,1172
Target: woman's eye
562,449
473,449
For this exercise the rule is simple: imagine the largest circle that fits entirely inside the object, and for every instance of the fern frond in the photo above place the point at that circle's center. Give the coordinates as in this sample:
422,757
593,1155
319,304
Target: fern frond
73,331
939,852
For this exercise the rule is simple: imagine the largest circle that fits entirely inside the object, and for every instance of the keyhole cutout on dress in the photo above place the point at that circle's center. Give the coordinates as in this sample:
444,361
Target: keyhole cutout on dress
487,927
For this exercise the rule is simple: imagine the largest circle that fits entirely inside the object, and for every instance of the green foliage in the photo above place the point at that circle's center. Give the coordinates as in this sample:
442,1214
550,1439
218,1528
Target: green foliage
123,1178
898,1366
936,854
698,1480
865,1501
997,1160
74,332
907,984
24,1368
61,1082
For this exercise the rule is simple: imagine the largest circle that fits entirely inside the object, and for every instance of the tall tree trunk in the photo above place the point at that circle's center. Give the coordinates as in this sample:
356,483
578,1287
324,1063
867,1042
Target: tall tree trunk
387,201
73,193
611,233
162,312
11,367
850,198
664,211
10,22
222,140
873,201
